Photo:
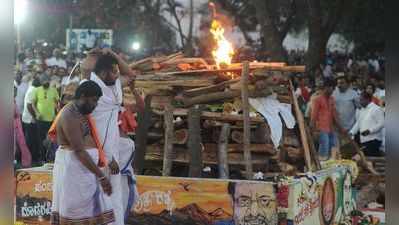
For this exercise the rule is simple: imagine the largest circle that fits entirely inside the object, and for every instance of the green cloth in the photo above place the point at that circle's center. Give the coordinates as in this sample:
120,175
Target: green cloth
46,103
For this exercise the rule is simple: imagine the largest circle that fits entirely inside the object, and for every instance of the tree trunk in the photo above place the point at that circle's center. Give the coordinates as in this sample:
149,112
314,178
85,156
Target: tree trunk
272,39
172,8
316,50
319,32
188,48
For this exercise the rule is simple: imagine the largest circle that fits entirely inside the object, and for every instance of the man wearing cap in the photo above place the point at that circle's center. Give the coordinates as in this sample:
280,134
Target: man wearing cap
45,101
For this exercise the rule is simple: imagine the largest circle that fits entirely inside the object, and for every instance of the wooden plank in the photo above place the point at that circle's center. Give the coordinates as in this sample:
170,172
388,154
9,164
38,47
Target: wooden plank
143,122
299,69
210,98
182,83
312,146
168,146
259,149
228,95
247,123
180,154
194,141
222,151
208,162
267,149
213,88
214,116
302,130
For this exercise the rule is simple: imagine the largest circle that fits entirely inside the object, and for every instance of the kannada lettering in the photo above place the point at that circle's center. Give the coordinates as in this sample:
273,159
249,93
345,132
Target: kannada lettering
150,198
306,208
38,209
43,187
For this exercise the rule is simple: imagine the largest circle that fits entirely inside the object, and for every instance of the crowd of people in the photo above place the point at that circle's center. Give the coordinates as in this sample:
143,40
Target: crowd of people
346,100
41,78
84,118
38,85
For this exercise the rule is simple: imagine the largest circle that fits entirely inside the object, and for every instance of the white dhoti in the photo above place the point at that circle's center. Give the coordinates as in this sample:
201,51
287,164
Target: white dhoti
115,147
116,198
128,179
78,198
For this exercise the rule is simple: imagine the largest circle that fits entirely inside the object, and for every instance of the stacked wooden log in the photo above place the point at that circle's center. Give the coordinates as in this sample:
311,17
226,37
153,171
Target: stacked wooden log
188,83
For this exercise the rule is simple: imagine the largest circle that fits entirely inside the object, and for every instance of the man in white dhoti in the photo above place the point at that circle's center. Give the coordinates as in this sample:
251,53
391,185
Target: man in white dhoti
118,151
80,188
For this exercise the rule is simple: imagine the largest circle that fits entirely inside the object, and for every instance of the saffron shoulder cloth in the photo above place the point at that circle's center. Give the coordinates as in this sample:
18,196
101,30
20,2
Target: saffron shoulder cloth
52,134
78,198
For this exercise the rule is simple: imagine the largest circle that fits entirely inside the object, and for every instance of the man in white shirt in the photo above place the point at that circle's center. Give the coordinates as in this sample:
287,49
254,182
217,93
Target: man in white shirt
369,123
106,74
327,72
373,62
56,60
22,84
380,91
29,123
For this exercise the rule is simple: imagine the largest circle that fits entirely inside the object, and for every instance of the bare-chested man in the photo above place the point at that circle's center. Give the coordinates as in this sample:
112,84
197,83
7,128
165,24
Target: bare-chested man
80,188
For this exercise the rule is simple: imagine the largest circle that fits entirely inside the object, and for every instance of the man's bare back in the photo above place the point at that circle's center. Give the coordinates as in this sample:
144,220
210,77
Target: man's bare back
79,123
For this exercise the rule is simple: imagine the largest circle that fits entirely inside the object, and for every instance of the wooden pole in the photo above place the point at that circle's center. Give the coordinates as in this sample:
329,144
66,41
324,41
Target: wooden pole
168,146
194,141
312,146
302,130
247,123
143,123
222,151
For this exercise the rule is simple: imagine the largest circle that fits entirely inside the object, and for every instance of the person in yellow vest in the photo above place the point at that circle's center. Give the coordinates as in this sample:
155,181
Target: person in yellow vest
45,101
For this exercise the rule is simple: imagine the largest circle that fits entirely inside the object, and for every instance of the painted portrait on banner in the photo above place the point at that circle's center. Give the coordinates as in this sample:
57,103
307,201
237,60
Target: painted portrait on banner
204,202
328,202
347,194
253,204
305,201
320,199
170,200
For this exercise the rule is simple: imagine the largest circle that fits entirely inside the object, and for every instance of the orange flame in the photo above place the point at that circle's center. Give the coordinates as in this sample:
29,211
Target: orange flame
223,53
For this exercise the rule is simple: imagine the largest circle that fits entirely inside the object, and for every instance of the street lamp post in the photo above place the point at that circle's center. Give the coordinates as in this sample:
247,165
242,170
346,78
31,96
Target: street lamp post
20,8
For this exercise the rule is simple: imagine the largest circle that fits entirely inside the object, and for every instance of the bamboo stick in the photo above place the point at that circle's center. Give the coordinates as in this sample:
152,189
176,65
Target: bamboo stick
302,130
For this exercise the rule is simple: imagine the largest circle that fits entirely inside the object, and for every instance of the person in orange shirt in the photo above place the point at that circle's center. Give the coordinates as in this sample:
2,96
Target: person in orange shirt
324,120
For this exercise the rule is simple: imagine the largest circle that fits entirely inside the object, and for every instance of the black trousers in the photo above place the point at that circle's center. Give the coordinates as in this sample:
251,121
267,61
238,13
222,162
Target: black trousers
43,128
32,141
372,148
